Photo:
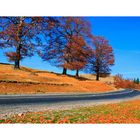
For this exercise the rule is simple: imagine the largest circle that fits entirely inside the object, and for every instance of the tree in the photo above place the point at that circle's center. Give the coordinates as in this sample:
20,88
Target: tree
77,55
137,81
22,34
68,41
134,80
102,56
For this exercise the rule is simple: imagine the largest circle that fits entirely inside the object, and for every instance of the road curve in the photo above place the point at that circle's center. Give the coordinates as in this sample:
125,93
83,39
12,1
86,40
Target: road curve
52,99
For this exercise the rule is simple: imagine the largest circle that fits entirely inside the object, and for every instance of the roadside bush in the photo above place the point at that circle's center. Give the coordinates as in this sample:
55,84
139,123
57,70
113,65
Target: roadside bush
120,82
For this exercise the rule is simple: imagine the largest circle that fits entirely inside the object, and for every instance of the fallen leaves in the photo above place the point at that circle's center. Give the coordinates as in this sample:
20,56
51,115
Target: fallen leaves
127,112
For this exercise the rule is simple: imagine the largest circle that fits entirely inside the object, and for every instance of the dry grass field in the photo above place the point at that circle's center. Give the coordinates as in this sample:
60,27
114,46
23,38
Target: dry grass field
28,80
109,79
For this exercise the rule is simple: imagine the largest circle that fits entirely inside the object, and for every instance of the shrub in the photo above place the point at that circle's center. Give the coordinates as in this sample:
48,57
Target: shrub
120,82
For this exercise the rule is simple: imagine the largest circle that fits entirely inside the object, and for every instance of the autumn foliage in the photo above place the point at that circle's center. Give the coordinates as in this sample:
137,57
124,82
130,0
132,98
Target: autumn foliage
101,58
120,82
65,42
76,53
21,35
68,44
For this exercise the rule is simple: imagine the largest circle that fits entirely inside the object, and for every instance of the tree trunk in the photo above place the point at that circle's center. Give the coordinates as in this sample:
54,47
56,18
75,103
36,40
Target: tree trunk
17,64
18,48
97,76
64,71
97,70
77,73
17,60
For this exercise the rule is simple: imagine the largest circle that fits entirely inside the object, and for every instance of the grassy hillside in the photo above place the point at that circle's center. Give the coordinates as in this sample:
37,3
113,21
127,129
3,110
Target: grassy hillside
109,79
29,80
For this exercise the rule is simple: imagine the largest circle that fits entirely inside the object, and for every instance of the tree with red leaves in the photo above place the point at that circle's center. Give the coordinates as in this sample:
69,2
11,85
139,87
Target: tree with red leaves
68,43
22,35
102,56
76,53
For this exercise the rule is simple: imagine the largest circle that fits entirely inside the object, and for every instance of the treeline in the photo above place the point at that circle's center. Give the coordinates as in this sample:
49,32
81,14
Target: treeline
65,42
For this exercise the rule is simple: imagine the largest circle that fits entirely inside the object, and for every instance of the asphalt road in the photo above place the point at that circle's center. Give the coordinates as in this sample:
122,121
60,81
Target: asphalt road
52,99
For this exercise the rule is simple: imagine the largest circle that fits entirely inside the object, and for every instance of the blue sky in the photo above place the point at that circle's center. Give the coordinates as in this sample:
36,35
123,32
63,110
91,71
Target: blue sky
124,36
